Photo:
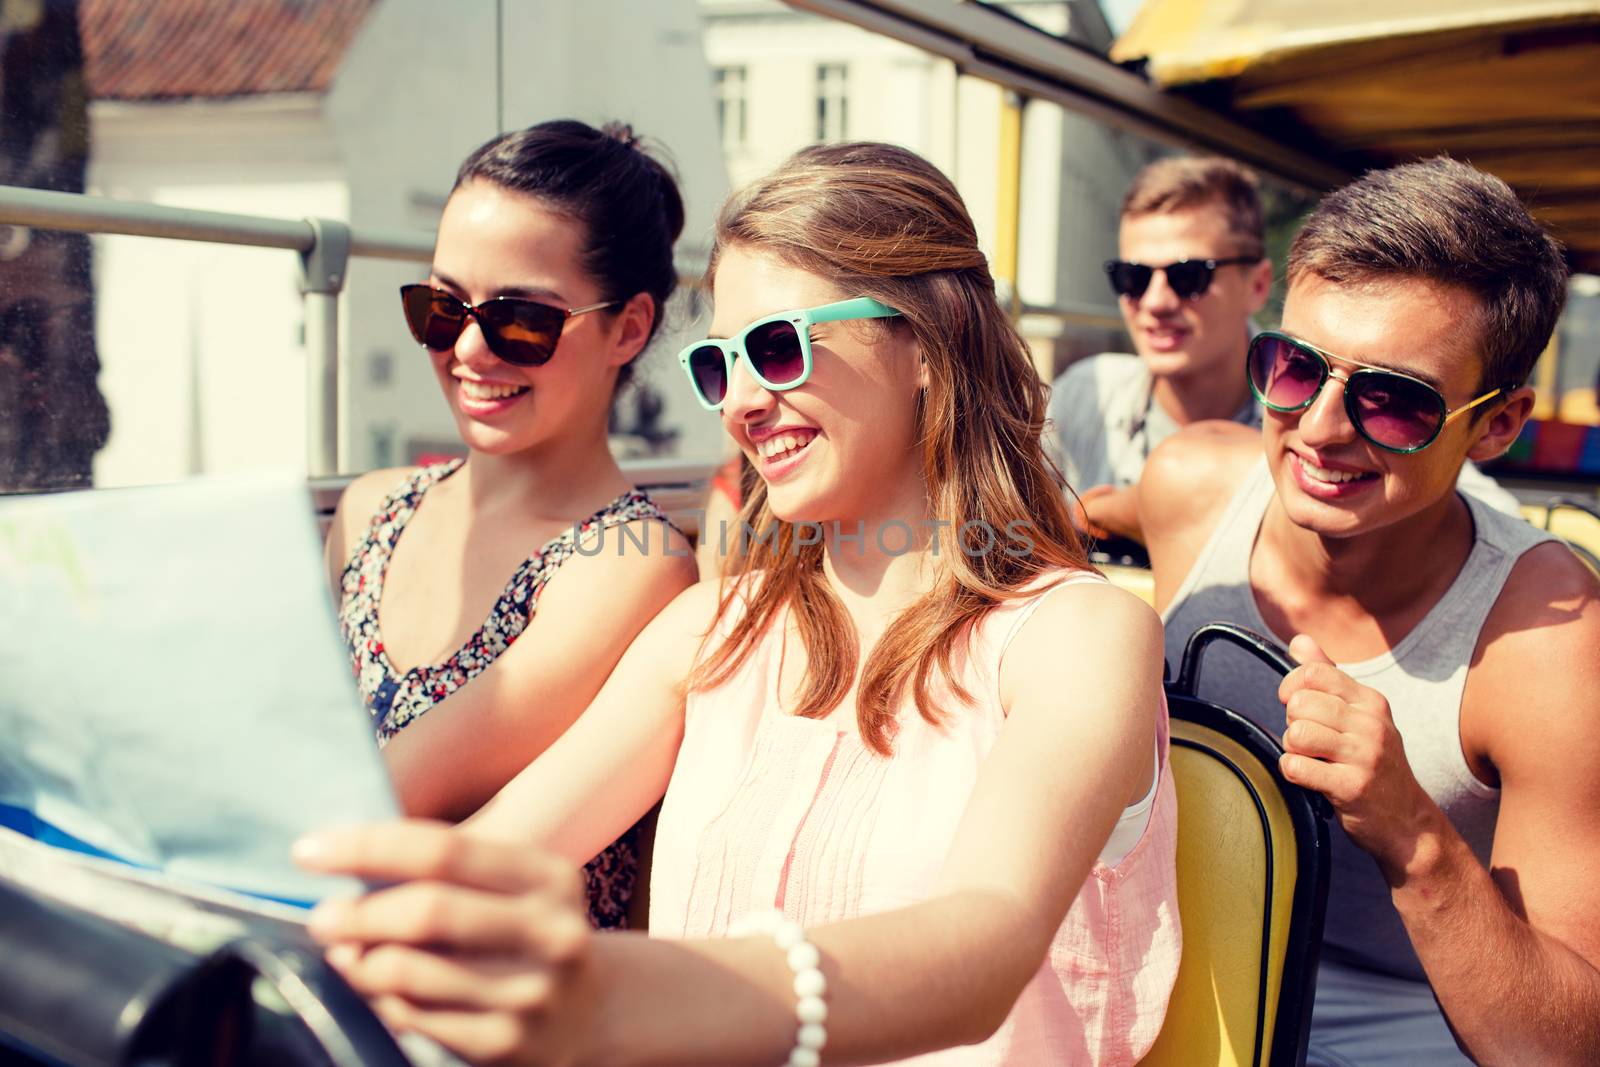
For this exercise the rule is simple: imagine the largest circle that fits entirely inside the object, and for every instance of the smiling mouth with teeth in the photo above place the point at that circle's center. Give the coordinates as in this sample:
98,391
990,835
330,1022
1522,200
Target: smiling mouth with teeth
1321,474
784,445
484,391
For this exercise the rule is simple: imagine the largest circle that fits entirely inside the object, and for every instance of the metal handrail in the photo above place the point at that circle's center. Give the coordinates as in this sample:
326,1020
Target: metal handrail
997,47
81,213
1076,315
324,245
678,486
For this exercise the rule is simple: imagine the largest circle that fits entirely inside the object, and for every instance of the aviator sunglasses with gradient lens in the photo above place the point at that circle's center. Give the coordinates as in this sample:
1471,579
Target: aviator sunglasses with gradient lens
517,330
1188,278
776,349
1394,411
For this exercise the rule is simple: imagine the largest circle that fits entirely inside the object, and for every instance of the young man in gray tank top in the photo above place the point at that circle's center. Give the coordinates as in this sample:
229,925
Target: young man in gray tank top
1448,698
1192,272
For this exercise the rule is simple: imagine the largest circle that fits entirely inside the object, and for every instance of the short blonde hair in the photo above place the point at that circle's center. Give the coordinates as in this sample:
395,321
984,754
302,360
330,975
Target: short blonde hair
1182,182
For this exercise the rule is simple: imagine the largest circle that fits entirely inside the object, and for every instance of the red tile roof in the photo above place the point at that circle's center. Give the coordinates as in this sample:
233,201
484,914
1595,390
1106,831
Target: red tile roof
169,49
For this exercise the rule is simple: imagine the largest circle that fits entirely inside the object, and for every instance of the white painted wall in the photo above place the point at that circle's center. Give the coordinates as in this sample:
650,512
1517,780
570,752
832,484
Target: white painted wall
896,93
1074,172
405,111
201,345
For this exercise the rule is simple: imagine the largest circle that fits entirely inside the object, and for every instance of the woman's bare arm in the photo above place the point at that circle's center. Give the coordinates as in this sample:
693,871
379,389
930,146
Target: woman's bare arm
451,760
606,771
353,514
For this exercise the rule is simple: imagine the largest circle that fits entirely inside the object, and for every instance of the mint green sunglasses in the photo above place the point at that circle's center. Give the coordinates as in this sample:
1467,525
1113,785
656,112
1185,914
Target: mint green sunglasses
776,349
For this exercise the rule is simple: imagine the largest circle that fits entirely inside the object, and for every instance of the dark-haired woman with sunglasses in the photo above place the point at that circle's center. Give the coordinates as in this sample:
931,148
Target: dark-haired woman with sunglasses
485,601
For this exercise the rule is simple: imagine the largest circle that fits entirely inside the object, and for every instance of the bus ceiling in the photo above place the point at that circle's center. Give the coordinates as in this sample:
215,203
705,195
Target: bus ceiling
1311,95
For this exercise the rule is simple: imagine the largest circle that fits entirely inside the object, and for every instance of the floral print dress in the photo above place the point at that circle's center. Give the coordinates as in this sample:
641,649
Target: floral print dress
397,699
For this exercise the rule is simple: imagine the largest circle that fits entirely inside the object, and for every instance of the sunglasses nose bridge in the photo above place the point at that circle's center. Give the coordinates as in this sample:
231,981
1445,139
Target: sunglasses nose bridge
1159,290
1329,419
747,398
744,381
740,367
472,342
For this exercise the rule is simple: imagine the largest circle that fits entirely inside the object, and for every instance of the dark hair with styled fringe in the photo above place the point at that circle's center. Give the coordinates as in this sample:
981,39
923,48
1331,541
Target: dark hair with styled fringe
1454,225
626,199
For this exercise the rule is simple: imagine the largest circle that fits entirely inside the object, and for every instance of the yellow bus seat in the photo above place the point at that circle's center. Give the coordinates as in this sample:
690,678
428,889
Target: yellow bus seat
1136,580
1252,883
1577,522
1581,406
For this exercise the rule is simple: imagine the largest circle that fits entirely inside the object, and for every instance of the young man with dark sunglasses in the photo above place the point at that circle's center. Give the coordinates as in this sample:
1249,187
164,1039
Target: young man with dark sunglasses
1192,269
1191,273
1447,702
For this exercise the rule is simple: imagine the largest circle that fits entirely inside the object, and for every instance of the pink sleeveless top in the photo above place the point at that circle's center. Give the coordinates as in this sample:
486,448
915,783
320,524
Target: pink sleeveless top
766,810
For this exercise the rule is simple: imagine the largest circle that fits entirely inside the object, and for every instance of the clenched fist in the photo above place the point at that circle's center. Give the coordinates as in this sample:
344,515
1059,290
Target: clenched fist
1341,741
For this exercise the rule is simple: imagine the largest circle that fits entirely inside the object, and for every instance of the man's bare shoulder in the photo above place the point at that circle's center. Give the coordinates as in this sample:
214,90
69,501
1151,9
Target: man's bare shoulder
1537,667
1549,594
1183,492
1192,475
1223,436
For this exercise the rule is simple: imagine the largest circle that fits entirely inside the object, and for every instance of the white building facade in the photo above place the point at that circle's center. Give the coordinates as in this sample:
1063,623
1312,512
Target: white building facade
784,78
216,382
202,346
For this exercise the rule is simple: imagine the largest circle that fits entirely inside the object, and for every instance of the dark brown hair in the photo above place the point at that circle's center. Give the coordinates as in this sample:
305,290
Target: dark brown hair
879,221
627,201
1453,225
1182,182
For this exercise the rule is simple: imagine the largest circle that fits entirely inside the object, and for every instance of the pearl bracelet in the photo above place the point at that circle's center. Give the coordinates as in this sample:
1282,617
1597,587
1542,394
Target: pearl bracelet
810,1010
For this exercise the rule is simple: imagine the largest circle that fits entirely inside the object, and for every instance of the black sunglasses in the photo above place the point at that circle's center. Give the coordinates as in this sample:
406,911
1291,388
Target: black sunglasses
1394,411
520,331
1189,278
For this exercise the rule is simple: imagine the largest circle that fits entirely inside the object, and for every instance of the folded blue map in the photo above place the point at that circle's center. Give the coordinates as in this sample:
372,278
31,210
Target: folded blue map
173,691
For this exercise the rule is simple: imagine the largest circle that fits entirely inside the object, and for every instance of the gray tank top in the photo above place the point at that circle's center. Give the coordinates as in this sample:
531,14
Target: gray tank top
1422,677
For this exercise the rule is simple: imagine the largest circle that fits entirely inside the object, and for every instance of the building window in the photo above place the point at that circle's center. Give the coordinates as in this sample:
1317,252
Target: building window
833,101
732,104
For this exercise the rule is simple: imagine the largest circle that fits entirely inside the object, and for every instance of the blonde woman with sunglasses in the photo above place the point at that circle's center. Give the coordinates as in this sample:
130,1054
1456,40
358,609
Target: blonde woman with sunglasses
485,601
913,748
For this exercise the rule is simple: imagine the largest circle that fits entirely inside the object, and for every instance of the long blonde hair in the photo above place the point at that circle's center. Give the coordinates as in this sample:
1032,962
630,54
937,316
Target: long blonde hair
880,221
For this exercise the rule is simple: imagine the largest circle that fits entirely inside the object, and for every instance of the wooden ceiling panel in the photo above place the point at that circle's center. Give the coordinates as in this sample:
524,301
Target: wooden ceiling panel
1512,86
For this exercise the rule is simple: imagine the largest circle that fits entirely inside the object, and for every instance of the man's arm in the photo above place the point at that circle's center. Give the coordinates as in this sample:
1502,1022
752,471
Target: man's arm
1511,951
1536,912
1110,511
1187,484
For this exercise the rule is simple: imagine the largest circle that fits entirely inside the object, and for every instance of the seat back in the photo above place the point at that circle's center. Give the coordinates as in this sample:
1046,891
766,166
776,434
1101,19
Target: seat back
1252,883
1137,580
1126,564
